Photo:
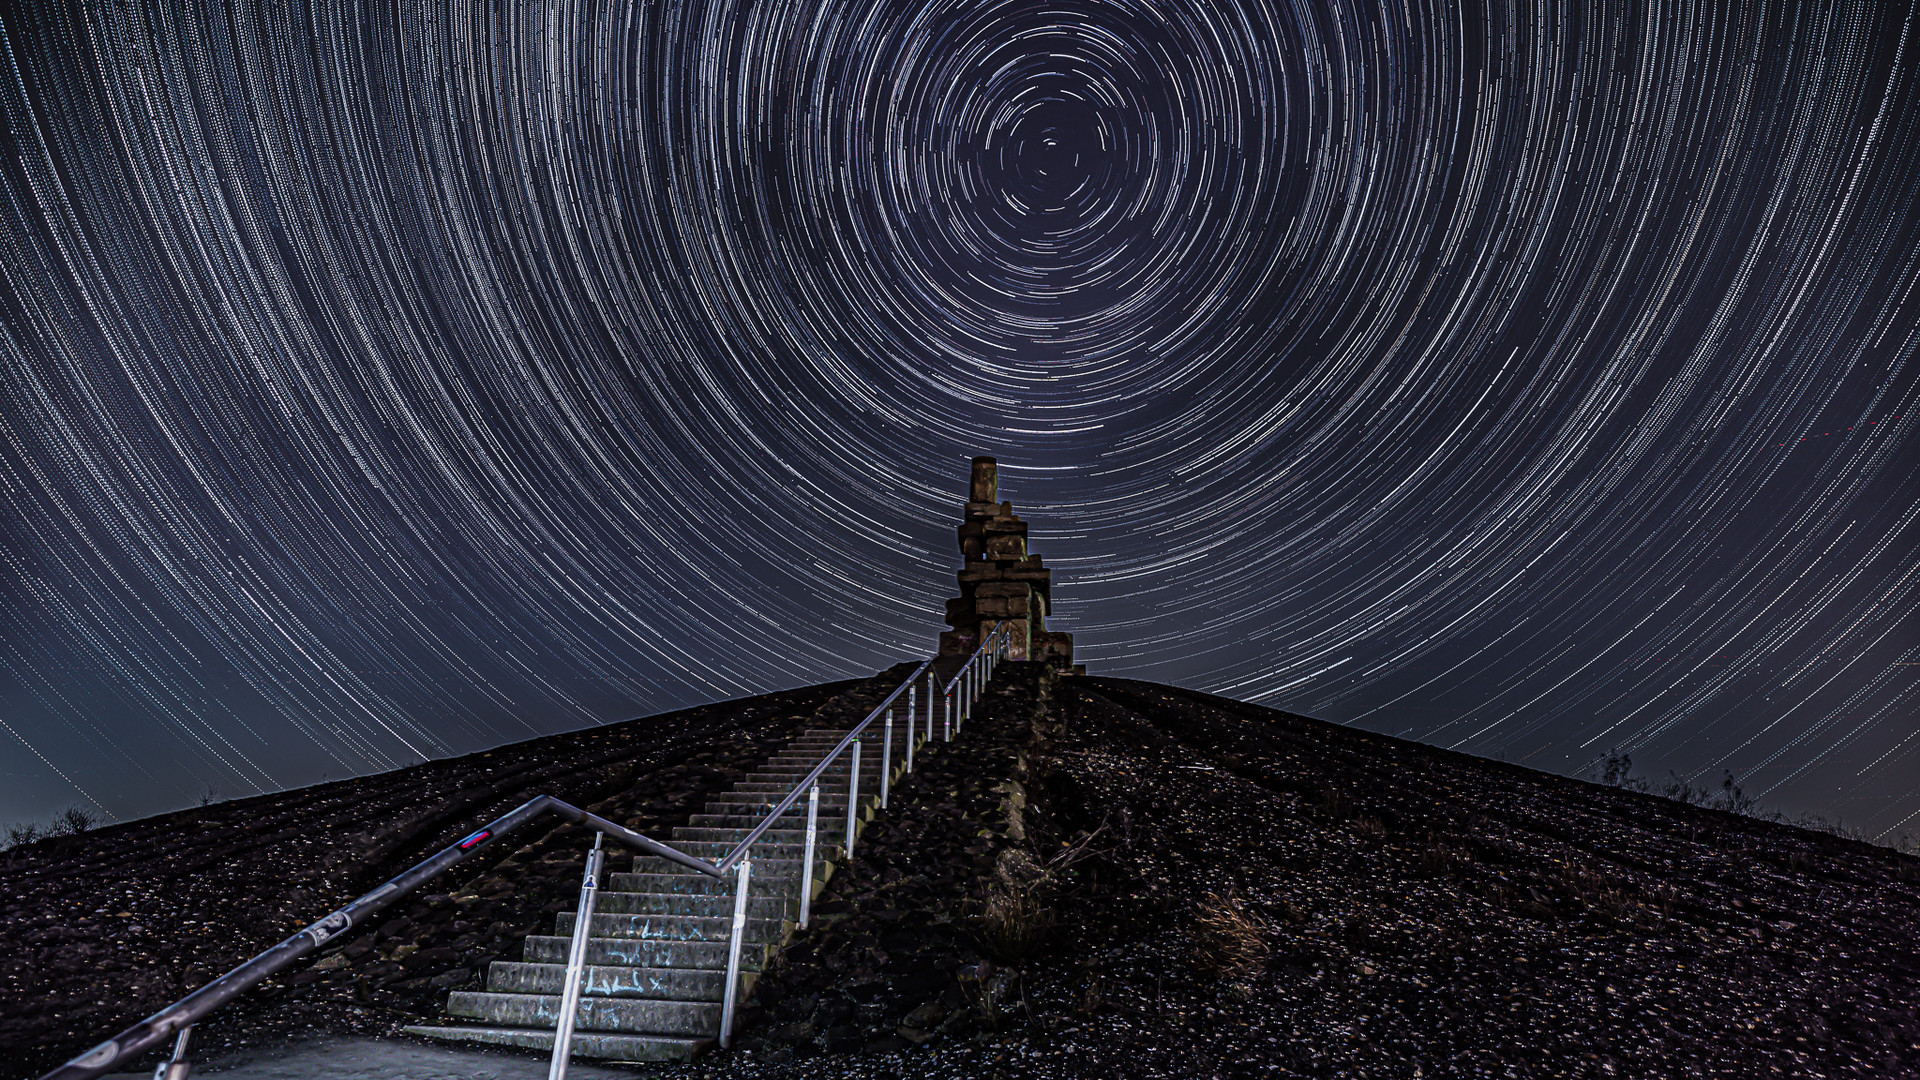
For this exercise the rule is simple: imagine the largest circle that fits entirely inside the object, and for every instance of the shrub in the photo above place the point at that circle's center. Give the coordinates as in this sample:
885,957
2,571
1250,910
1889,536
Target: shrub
19,835
73,821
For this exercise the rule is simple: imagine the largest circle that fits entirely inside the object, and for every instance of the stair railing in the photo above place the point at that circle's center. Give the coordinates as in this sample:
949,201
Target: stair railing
176,1021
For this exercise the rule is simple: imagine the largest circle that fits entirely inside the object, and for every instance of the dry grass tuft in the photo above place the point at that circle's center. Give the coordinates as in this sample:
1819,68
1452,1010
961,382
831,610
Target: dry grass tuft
1229,940
1012,920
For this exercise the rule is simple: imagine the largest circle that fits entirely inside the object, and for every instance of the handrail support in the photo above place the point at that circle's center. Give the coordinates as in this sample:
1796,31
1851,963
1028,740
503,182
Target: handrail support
576,963
806,860
176,1067
743,872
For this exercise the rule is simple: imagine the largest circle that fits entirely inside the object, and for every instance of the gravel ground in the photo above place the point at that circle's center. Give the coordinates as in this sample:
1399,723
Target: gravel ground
1110,878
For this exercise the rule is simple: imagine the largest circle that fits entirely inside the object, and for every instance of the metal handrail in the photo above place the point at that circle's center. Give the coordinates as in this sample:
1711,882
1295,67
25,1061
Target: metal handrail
175,1019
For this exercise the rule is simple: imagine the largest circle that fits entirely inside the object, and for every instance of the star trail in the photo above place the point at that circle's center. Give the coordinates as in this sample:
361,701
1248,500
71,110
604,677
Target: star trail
385,381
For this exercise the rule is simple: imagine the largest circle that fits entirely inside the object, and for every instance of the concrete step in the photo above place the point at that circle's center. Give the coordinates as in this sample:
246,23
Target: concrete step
671,927
589,1045
775,902
763,867
709,833
774,793
763,884
779,788
699,884
624,1016
672,984
795,819
712,850
645,952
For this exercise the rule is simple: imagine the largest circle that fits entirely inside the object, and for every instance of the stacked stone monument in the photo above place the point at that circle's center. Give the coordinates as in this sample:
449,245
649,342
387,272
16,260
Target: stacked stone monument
999,581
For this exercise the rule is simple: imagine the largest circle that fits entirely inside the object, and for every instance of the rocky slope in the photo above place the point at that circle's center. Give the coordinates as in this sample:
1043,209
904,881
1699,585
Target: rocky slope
1108,878
1121,879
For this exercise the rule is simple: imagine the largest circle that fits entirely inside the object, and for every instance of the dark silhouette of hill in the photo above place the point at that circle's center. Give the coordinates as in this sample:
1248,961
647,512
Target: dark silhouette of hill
1099,878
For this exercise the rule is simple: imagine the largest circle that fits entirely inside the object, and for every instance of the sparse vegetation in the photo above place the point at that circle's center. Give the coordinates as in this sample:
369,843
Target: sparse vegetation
1013,916
71,822
1444,855
1616,770
1230,941
1335,803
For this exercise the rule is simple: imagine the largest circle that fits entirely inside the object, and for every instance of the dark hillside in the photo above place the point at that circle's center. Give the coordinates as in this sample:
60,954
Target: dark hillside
1100,878
1235,891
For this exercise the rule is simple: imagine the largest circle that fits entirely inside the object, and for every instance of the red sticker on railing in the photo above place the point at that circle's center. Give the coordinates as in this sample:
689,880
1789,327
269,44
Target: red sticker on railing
474,839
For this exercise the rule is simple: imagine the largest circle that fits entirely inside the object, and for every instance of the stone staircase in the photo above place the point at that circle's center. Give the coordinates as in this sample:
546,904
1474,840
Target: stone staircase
657,950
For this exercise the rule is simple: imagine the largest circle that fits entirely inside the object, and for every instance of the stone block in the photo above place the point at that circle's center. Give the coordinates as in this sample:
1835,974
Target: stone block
984,484
1001,588
1001,607
1054,648
1006,546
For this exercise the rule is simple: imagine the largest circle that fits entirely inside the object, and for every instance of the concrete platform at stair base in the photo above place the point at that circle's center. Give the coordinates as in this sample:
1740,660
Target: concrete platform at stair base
388,1059
598,1046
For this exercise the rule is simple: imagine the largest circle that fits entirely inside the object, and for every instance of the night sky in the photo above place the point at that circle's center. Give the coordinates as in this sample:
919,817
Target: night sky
384,381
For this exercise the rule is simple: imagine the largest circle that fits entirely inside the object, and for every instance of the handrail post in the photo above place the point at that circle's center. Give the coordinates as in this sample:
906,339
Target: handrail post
886,760
176,1067
742,873
913,727
806,860
930,699
853,795
576,965
946,718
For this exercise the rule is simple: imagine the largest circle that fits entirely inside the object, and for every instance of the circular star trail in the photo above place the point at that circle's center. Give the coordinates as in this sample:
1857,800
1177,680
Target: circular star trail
388,381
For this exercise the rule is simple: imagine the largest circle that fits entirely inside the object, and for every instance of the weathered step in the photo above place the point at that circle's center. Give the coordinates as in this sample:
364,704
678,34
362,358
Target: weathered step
779,788
763,884
770,904
586,1044
670,927
645,952
770,799
828,825
693,884
711,850
629,1016
763,802
708,833
763,867
673,984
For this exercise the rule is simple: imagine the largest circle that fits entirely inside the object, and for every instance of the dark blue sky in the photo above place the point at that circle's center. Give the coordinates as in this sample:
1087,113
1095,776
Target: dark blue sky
392,381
